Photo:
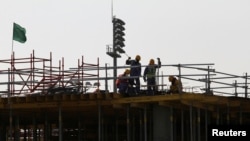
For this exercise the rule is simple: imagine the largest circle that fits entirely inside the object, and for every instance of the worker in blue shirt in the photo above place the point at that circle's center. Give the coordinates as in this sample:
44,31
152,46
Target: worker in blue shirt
135,72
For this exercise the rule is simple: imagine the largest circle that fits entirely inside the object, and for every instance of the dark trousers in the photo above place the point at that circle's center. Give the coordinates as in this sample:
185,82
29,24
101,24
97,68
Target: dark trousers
151,88
135,82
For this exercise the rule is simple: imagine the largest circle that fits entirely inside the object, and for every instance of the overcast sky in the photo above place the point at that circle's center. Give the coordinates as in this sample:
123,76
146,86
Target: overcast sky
177,31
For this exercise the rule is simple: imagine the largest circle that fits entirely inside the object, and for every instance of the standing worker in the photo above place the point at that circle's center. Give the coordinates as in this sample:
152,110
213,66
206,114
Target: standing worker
149,76
135,72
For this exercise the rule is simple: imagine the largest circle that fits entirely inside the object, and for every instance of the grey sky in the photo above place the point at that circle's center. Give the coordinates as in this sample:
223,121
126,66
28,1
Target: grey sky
177,31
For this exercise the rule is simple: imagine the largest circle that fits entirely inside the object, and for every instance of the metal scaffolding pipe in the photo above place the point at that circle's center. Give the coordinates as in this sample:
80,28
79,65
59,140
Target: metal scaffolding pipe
99,122
191,121
116,127
60,122
206,124
141,124
145,122
34,128
182,125
128,123
198,124
171,124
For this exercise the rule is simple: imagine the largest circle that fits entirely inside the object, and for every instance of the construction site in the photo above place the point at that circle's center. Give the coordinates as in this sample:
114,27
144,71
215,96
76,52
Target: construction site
42,102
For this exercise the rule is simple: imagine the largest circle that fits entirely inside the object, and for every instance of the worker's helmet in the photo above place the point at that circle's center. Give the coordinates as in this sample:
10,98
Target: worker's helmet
138,57
127,71
151,62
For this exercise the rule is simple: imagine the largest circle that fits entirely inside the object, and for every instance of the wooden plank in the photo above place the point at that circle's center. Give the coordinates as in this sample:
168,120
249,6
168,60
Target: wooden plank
4,100
116,95
30,98
100,96
21,99
138,105
209,102
234,103
147,99
119,106
198,105
175,104
109,96
92,96
55,104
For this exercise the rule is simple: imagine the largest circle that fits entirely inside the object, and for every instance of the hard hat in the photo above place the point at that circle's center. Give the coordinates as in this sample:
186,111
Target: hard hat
127,71
151,62
138,57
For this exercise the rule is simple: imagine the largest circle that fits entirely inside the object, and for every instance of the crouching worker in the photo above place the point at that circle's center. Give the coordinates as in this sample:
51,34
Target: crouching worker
176,85
122,82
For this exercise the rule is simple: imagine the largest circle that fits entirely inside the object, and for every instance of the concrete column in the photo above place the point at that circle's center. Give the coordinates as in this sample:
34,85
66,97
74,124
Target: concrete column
161,123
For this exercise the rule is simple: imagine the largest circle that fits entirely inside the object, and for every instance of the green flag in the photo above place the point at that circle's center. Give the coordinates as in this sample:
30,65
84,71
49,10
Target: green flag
19,33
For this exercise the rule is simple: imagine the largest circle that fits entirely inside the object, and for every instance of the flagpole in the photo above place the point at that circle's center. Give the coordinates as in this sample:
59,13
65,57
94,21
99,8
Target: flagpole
12,39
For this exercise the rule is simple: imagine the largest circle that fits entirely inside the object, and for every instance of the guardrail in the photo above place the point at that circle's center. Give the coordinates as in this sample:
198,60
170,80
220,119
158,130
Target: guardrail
37,75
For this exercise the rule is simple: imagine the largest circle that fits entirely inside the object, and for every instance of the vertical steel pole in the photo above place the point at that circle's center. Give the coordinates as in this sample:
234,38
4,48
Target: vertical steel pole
182,125
9,104
17,132
46,128
141,125
235,89
106,80
34,128
246,87
208,78
79,128
218,116
180,86
240,115
191,121
228,113
60,122
145,122
117,127
99,122
206,124
198,124
171,124
128,123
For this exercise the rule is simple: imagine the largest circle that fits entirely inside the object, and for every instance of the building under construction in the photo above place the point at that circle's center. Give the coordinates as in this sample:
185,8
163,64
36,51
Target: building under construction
42,102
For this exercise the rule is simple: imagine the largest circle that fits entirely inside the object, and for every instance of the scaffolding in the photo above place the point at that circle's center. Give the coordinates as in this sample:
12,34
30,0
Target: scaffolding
34,75
47,102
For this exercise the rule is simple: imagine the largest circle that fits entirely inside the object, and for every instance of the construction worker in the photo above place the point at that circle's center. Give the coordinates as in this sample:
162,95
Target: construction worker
176,85
135,72
149,76
122,82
